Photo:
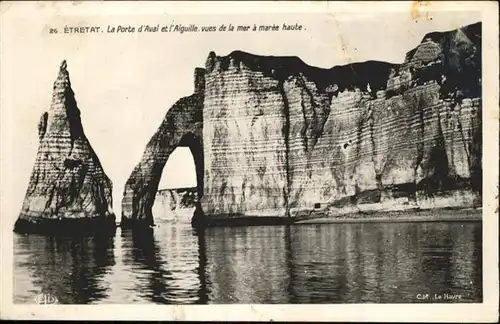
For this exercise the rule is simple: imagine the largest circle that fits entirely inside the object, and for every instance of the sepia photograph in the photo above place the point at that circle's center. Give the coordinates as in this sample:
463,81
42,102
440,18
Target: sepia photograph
333,155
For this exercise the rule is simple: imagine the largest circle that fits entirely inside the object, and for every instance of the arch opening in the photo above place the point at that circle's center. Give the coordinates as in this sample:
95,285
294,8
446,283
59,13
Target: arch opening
180,185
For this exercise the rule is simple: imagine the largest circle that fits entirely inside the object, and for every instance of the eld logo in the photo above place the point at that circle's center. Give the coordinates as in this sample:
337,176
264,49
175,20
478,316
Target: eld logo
45,299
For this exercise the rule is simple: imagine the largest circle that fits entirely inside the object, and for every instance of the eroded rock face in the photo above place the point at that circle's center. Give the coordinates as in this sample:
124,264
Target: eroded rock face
182,126
281,138
68,188
245,125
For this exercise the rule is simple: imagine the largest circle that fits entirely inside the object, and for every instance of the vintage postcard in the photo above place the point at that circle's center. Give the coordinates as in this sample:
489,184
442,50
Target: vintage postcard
292,161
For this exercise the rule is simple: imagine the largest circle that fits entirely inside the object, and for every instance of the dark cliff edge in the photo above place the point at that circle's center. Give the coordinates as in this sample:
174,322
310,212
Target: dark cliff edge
68,192
278,141
350,76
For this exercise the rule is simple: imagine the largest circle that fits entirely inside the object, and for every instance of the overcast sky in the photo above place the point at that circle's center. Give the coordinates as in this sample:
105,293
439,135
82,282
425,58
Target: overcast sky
125,83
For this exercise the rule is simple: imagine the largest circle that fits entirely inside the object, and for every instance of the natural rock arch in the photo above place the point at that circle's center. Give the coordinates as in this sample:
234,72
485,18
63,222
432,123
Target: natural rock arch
182,126
284,141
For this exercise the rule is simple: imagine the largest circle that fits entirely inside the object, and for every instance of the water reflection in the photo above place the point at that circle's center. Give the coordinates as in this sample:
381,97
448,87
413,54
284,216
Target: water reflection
166,264
344,263
328,263
69,268
247,264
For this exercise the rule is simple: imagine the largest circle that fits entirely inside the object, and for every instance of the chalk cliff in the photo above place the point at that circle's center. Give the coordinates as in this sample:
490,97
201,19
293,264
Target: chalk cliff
68,189
182,126
282,138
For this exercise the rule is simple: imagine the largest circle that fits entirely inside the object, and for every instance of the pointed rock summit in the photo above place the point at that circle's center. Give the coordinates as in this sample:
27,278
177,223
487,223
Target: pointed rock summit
68,189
